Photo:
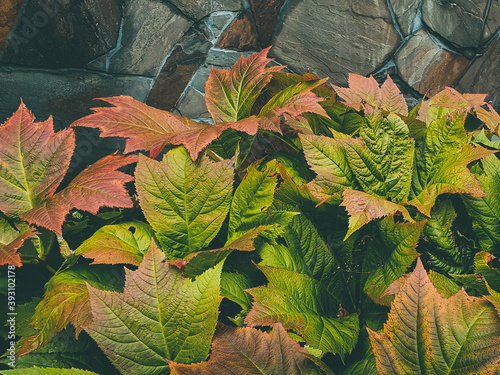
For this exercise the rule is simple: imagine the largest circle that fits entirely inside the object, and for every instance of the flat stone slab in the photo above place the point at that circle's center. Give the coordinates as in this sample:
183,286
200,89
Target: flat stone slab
426,67
334,40
151,28
406,14
198,9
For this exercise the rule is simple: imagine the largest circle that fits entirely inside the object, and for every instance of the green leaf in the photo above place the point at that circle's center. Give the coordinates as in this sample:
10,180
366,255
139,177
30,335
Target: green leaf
121,243
328,159
66,300
485,276
485,211
233,285
47,371
159,315
382,158
230,94
251,352
302,304
427,334
251,201
185,202
396,253
446,287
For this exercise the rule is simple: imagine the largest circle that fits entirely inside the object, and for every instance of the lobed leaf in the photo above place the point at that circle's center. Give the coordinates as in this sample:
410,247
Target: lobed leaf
251,352
10,242
120,243
230,94
426,333
33,161
160,315
99,185
185,202
302,304
47,371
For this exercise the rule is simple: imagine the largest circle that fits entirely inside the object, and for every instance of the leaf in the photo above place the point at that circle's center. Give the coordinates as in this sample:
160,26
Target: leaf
251,202
185,202
251,352
328,159
304,306
33,161
451,176
427,334
382,158
121,243
230,94
160,315
485,211
66,301
363,208
399,241
233,287
151,129
47,371
8,253
490,118
99,185
485,277
364,90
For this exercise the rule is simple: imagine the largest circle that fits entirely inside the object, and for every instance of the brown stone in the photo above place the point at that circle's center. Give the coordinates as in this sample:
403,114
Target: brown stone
266,13
334,38
63,33
184,61
426,67
240,35
9,10
482,77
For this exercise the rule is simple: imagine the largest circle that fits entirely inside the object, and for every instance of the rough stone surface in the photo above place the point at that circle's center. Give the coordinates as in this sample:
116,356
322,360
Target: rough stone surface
192,105
184,61
64,33
482,76
406,14
426,67
150,30
266,14
9,10
492,21
458,21
198,9
217,23
65,95
333,40
240,35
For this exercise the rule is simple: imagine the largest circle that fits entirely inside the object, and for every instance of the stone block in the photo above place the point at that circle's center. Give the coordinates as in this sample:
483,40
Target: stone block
9,11
240,35
458,21
406,14
483,76
192,105
198,9
332,39
492,21
151,28
266,13
426,67
180,66
63,33
66,95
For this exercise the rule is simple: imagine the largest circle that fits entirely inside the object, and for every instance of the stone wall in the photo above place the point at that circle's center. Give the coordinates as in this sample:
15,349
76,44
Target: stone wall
60,54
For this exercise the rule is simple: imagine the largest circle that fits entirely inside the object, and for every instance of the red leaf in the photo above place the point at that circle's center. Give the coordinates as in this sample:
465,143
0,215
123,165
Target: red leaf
33,161
99,185
8,254
230,94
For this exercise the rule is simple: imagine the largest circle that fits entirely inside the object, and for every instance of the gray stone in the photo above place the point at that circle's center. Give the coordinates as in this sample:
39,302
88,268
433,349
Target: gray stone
482,76
65,95
192,104
150,30
63,33
406,13
331,39
198,9
217,22
492,21
426,67
458,21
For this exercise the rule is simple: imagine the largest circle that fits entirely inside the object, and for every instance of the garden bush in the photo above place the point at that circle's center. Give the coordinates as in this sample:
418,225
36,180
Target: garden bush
297,234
